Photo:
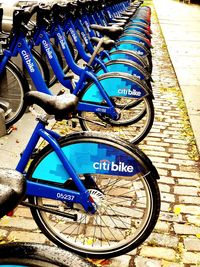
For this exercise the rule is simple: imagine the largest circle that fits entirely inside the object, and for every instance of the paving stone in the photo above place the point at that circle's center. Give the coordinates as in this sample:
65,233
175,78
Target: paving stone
157,153
181,156
157,159
177,150
176,141
170,217
164,240
186,190
167,197
162,227
165,166
158,252
152,148
164,188
193,219
191,209
20,236
22,223
184,229
182,174
23,212
191,257
144,262
120,261
189,199
165,206
180,146
186,162
189,182
192,243
166,180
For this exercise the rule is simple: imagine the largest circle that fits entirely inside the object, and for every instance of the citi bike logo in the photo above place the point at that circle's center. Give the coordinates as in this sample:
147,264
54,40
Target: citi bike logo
140,53
107,165
61,39
29,63
87,26
73,35
47,49
129,92
84,37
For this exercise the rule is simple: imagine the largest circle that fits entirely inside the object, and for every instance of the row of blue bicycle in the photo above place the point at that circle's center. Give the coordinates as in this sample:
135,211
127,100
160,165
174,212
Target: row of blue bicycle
90,192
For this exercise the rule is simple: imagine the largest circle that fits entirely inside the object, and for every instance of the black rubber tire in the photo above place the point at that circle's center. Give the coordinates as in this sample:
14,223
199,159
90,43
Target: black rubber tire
38,255
13,87
149,177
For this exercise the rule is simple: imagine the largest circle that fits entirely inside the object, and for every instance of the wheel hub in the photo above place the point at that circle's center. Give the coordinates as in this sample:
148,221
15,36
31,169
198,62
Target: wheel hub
98,197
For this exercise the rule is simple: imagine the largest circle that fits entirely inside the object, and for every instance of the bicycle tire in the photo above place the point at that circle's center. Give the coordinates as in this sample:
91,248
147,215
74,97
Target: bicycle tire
38,255
13,87
136,119
106,233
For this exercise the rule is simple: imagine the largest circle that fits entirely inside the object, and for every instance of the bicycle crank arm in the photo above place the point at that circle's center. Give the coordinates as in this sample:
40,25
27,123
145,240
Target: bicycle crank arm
57,212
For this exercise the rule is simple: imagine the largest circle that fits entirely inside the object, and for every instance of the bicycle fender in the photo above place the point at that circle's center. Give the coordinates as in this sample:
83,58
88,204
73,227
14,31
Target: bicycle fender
133,46
117,84
130,55
136,38
87,157
126,66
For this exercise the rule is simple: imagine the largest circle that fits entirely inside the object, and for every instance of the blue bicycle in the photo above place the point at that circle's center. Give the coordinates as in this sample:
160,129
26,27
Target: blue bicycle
93,194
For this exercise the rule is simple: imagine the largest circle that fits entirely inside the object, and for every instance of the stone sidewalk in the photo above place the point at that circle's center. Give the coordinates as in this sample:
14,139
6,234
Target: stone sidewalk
171,146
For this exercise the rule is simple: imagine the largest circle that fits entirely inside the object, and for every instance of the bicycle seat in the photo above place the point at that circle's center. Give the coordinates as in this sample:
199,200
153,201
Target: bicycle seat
12,190
60,106
112,32
107,43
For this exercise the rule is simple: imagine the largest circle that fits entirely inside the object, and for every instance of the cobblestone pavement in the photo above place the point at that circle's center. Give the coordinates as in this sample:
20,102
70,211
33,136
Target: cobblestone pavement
170,145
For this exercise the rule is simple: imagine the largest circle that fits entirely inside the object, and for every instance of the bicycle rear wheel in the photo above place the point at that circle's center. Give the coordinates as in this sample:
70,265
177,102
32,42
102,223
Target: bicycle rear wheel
13,86
127,200
136,115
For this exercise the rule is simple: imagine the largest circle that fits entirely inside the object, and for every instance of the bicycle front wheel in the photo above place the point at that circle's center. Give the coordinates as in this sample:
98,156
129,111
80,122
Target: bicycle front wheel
13,87
38,255
122,182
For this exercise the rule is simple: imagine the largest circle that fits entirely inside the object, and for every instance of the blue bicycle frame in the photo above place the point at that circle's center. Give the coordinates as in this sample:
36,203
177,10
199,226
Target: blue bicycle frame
50,191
